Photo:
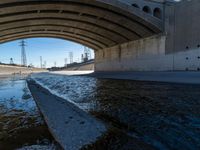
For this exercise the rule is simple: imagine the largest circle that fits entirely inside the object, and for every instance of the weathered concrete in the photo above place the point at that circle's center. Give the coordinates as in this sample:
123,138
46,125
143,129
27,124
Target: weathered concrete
71,127
148,54
97,24
178,48
9,70
83,67
87,66
136,35
183,77
182,28
155,7
169,77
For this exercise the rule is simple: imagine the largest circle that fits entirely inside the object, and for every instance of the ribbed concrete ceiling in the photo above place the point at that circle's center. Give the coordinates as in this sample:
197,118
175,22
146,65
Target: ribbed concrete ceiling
95,23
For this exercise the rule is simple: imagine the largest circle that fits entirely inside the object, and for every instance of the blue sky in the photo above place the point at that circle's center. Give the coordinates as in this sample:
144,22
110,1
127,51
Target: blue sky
52,50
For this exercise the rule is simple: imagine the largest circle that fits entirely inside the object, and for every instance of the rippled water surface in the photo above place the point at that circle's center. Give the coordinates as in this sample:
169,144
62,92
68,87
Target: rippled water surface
144,115
162,115
21,125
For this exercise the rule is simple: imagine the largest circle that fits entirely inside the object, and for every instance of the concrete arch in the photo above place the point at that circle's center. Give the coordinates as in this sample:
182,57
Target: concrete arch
100,23
135,5
39,34
157,12
100,40
147,9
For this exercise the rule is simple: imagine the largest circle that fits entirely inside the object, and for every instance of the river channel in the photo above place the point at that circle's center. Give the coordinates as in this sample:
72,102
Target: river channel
142,115
21,124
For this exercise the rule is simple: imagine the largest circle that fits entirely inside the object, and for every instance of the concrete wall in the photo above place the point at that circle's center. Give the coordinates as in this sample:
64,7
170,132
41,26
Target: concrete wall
151,4
146,55
8,70
182,25
84,67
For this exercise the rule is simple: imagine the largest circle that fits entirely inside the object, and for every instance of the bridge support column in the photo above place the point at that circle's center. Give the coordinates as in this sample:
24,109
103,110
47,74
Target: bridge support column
147,54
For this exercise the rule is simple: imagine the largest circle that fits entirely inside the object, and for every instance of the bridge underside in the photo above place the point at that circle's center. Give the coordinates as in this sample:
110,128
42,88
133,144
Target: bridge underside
97,24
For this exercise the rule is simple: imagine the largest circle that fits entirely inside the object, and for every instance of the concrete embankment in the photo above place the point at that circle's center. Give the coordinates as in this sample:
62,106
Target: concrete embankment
170,77
71,127
83,67
183,77
9,70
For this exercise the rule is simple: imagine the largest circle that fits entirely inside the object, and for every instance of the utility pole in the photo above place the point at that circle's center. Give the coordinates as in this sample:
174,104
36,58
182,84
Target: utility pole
23,53
41,66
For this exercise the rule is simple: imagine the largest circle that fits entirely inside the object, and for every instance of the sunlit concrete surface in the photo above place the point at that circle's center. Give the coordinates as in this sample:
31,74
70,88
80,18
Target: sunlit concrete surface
170,76
173,77
72,72
10,70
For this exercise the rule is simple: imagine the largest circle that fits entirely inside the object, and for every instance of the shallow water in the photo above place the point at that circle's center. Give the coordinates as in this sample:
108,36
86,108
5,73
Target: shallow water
21,124
165,116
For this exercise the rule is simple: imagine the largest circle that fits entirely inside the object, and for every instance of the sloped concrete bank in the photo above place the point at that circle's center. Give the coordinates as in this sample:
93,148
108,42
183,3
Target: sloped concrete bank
9,70
71,127
82,67
182,77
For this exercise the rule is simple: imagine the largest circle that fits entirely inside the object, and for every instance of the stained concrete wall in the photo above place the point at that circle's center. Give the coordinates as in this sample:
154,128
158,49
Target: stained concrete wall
150,3
146,55
182,25
84,67
97,24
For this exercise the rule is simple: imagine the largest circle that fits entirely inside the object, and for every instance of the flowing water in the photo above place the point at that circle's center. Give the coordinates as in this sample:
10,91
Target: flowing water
162,115
21,125
142,115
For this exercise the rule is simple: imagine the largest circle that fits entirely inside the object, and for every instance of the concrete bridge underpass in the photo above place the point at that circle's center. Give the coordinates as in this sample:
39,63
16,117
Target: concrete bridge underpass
125,34
97,24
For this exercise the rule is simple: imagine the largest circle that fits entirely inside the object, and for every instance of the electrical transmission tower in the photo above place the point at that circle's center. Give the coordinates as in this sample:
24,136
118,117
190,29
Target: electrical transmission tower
45,64
41,65
71,57
65,62
87,54
11,61
23,53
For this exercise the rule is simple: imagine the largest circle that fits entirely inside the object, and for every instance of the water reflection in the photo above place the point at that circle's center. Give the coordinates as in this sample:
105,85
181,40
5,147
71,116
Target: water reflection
20,121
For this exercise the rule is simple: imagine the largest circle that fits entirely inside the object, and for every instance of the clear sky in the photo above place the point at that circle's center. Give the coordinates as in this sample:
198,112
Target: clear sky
51,49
